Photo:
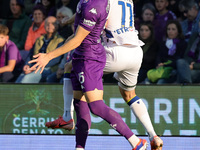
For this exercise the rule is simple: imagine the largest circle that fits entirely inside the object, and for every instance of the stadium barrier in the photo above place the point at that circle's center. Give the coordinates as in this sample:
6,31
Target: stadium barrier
174,109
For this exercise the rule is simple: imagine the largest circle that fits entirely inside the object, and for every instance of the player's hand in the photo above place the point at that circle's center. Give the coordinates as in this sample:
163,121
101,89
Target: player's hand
192,65
159,65
41,61
26,69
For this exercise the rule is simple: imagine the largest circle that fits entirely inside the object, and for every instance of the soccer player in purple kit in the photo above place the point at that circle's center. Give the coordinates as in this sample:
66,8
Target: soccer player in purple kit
88,61
120,39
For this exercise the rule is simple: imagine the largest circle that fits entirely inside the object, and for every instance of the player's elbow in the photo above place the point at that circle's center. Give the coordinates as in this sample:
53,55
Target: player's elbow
10,69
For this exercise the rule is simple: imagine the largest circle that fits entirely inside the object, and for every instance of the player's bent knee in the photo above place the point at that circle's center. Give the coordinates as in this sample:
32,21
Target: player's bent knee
96,110
126,87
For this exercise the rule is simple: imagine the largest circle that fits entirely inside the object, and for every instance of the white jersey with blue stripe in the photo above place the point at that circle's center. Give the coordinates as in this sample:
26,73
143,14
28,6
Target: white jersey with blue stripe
120,24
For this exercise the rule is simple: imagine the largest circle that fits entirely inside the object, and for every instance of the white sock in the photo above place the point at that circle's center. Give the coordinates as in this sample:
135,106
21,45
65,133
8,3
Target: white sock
134,140
140,111
68,100
79,148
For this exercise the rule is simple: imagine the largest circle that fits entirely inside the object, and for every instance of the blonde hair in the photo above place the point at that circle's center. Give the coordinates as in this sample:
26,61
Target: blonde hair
65,11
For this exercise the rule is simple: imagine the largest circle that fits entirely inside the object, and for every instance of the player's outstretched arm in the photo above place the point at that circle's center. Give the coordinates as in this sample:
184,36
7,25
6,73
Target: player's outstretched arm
41,59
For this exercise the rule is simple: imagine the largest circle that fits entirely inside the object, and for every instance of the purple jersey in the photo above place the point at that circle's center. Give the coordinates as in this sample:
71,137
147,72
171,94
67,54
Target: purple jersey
89,58
12,53
91,15
161,22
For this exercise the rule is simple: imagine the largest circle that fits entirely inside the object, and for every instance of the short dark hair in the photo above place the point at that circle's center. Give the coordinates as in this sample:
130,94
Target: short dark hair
41,8
20,3
187,4
4,29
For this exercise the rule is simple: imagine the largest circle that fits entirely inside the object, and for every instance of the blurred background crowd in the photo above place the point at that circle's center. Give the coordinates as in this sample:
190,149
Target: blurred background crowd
170,30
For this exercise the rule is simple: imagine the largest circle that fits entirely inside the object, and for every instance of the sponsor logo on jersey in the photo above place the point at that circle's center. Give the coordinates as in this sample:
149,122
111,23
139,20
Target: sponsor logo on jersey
93,11
89,22
124,30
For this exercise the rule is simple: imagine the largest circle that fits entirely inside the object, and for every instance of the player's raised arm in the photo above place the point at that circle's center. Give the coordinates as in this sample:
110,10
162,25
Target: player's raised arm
42,59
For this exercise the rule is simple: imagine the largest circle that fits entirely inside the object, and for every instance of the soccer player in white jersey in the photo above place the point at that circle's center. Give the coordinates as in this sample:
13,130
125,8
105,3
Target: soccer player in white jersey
122,49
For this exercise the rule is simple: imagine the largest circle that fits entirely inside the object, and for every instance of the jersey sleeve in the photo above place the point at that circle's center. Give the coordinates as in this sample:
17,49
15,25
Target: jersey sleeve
90,16
12,52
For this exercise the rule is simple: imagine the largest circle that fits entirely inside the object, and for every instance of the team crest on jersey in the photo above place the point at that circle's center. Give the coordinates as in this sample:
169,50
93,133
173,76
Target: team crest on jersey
93,11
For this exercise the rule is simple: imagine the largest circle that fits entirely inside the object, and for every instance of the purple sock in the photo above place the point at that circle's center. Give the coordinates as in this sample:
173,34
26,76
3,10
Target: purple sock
83,122
100,109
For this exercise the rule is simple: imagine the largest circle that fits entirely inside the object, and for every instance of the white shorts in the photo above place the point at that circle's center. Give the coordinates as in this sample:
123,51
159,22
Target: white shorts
125,61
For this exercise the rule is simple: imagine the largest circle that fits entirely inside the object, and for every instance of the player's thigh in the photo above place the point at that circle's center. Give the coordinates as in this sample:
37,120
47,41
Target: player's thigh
94,95
111,60
89,96
128,76
86,75
112,63
120,58
79,95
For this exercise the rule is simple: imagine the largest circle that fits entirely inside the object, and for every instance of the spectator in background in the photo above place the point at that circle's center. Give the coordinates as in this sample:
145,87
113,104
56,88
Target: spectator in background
11,62
171,49
148,14
150,49
50,7
138,4
44,44
161,18
57,77
37,28
29,5
190,10
18,23
188,68
198,2
173,6
68,3
64,30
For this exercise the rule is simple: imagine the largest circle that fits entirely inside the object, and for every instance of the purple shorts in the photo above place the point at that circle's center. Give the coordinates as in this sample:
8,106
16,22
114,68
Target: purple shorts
86,74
